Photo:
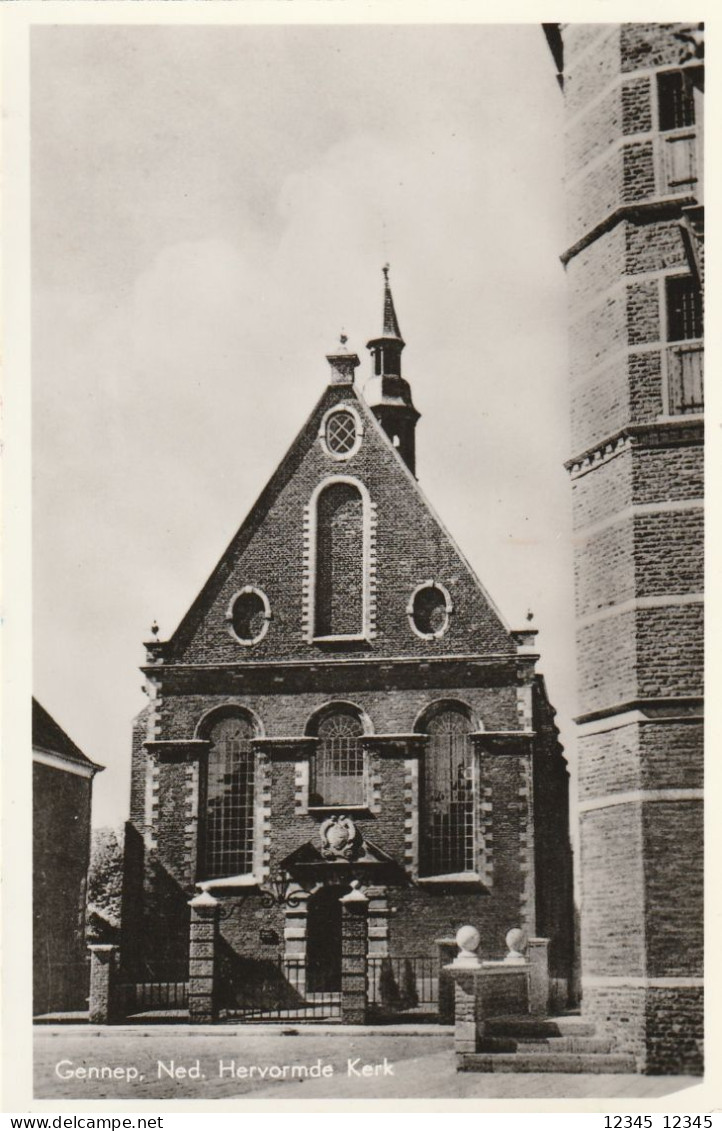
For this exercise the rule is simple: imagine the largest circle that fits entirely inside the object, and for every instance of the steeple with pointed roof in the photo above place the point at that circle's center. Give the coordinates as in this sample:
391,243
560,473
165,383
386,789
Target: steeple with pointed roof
386,391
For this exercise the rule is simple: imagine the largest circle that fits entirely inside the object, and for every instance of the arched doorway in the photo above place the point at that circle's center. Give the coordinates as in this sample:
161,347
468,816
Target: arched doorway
323,940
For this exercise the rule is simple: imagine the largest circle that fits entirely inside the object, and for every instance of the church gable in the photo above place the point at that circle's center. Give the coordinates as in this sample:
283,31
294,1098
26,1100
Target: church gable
341,555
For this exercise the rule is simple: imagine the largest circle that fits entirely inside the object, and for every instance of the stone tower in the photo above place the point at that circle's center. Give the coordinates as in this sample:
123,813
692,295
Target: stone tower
633,101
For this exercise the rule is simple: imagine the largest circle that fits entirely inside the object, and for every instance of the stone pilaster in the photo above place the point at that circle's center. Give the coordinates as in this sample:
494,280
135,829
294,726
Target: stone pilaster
378,934
295,932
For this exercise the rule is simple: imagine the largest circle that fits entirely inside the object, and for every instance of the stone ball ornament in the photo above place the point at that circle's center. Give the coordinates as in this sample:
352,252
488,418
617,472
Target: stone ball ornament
516,944
468,938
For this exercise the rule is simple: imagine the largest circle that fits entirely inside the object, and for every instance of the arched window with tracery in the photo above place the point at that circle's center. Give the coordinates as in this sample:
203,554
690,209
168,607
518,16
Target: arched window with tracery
339,596
339,771
229,800
448,794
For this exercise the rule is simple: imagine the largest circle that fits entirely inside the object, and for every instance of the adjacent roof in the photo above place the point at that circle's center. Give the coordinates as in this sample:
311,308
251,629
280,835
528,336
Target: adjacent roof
50,737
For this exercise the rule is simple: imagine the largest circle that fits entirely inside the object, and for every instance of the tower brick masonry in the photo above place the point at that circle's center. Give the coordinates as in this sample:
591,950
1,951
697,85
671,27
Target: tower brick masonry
635,263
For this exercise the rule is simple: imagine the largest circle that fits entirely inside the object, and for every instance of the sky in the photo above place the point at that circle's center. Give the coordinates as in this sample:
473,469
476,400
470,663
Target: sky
211,207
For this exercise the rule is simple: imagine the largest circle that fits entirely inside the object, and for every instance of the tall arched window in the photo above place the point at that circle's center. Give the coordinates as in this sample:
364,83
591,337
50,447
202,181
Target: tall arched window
229,799
448,794
339,765
339,596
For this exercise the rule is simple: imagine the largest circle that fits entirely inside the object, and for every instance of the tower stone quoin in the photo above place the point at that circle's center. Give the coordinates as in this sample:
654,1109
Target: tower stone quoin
344,709
634,97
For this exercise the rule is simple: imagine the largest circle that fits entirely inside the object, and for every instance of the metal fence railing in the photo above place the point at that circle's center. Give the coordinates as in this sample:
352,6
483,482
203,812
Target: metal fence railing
403,984
150,997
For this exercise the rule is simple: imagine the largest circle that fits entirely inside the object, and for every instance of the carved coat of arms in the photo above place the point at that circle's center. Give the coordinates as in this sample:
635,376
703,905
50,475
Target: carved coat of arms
340,839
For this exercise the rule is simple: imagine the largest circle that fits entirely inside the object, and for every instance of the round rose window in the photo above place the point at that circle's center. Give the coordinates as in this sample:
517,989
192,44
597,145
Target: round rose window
249,615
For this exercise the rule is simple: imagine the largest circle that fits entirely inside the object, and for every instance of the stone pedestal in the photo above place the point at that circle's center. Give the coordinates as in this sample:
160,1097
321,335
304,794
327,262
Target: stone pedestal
488,989
537,953
354,962
104,1005
202,963
491,989
468,1007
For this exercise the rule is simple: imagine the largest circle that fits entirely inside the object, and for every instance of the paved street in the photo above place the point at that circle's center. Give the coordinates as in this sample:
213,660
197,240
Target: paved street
286,1063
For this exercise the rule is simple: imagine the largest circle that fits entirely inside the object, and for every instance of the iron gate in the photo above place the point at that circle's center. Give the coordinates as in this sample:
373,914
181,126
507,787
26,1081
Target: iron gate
404,986
277,991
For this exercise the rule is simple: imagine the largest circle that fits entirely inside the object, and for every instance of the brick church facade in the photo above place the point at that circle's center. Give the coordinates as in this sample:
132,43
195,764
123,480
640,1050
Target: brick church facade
633,98
343,708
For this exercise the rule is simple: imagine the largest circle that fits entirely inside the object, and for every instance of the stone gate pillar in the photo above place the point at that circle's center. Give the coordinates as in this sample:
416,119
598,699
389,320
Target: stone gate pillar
537,952
447,948
354,959
104,1005
203,959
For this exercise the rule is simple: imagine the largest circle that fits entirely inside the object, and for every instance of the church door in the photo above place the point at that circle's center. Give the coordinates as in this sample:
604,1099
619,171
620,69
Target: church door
323,940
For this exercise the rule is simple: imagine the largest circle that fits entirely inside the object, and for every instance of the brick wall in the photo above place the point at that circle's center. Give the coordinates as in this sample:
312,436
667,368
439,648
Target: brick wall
675,1030
611,860
673,863
554,892
662,1027
604,568
390,710
664,754
61,854
668,552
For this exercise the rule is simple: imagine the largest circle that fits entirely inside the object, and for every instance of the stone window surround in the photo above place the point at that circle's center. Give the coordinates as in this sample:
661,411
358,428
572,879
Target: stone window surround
669,344
197,751
430,584
311,550
351,409
255,589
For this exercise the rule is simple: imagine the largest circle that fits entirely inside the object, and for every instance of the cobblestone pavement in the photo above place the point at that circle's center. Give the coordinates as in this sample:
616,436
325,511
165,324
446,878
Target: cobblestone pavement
175,1062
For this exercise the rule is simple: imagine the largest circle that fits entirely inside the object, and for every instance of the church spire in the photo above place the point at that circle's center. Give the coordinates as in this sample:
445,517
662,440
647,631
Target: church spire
391,322
386,391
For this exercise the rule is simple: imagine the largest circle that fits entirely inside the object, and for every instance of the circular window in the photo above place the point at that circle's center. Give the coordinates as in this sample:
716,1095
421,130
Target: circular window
248,615
429,610
341,432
